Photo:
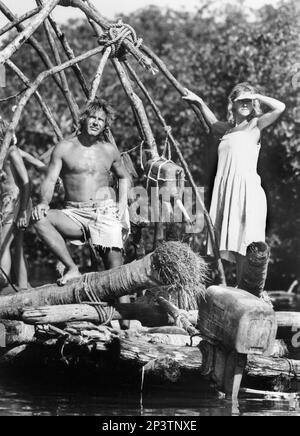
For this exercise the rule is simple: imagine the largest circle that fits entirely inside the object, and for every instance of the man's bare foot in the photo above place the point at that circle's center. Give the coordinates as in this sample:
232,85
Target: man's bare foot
71,274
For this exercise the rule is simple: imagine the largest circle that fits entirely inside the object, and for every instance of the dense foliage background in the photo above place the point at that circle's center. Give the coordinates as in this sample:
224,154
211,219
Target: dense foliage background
209,51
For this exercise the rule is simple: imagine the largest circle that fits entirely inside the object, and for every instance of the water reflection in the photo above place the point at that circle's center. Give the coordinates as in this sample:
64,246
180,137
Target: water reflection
33,398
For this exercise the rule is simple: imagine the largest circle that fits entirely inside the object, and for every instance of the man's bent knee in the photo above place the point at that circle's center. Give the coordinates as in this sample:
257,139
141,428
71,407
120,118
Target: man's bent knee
41,225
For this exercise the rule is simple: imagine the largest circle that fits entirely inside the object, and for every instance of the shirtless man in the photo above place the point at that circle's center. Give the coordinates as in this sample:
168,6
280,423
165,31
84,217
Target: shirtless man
14,212
84,163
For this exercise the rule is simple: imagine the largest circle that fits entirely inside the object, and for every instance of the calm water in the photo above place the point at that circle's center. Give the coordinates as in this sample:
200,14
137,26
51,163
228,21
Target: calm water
33,398
27,396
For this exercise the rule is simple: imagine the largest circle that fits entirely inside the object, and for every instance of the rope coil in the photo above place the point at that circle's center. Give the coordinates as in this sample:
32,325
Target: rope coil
115,37
105,317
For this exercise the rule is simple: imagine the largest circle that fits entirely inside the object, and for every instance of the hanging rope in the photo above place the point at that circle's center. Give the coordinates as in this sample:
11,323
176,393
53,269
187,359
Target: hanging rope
105,317
115,37
8,280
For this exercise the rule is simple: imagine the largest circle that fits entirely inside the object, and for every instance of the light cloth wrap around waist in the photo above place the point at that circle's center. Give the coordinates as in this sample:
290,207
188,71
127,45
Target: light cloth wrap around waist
100,223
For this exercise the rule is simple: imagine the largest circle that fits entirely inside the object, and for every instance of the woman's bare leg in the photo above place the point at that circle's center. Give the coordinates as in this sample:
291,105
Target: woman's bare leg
20,262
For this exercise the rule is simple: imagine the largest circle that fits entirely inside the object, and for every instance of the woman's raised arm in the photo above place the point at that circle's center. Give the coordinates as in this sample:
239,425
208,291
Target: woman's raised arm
211,119
277,109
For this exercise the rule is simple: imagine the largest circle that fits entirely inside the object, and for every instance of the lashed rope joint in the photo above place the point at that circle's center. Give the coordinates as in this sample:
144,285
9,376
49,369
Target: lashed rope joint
115,37
105,312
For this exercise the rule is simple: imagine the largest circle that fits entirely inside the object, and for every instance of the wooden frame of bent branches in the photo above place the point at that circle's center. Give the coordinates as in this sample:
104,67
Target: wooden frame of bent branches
118,42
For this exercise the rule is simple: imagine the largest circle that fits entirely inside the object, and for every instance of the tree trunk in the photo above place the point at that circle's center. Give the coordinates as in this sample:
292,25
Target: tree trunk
107,286
148,315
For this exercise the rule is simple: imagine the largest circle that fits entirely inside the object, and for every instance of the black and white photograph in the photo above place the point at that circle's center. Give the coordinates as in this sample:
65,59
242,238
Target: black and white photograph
149,211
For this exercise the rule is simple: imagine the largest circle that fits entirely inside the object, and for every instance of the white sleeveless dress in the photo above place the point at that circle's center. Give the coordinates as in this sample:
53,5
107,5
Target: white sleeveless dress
239,204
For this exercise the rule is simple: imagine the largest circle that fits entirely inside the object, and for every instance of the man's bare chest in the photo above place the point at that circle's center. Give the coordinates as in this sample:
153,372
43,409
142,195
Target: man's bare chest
87,162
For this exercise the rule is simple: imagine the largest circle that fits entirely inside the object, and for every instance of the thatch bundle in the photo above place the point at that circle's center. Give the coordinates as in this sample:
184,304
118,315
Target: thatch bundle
183,272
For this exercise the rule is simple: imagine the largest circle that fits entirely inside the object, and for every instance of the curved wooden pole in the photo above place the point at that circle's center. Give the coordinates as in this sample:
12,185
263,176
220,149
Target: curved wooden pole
70,54
28,31
33,42
19,20
99,74
45,108
139,108
74,109
28,94
163,68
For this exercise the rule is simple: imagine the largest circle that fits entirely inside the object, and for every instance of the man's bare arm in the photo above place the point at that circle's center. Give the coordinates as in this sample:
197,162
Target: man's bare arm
48,185
23,184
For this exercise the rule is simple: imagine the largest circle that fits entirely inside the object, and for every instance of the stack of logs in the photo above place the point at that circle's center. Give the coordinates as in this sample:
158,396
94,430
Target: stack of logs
231,334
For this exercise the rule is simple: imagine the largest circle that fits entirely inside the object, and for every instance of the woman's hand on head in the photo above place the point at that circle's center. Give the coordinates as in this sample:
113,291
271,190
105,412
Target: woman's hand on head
247,96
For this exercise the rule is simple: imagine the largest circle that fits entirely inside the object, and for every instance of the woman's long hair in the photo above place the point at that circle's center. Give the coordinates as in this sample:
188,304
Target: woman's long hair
239,89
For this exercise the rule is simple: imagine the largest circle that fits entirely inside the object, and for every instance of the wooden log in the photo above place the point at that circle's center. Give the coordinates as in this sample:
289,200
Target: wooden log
138,353
267,367
237,320
147,273
255,271
28,31
19,20
16,333
141,353
148,315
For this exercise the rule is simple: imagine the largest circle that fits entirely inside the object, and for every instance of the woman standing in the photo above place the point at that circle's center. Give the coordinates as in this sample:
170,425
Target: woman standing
239,205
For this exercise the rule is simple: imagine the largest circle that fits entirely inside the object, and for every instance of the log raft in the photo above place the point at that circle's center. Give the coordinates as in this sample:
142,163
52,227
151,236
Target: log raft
167,354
